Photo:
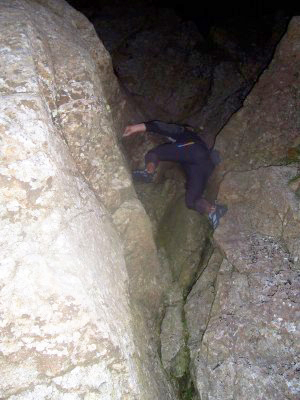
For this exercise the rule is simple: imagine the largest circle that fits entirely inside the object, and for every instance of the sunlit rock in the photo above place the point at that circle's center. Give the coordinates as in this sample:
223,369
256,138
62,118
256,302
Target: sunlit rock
72,324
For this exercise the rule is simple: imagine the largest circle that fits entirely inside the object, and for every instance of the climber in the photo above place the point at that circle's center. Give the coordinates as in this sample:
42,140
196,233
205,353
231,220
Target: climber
188,149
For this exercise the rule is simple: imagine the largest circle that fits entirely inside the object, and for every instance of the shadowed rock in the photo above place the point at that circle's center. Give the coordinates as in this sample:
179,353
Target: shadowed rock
248,348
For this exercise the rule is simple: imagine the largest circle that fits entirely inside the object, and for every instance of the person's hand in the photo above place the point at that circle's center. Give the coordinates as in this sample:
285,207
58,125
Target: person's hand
132,129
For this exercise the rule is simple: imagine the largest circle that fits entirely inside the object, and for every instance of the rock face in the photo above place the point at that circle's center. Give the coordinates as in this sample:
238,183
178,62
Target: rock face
81,282
239,322
205,79
79,302
266,130
174,353
59,253
250,335
199,303
248,346
184,236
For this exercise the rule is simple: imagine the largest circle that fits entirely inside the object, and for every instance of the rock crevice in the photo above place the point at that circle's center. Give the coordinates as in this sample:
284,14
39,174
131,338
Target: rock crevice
82,279
243,305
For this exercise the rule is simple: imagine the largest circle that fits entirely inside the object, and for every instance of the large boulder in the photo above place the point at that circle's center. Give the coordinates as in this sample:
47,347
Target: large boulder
249,341
79,312
59,250
249,345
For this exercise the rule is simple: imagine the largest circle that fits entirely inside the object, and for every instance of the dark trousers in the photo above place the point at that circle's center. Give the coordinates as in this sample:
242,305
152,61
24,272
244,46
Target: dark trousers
196,162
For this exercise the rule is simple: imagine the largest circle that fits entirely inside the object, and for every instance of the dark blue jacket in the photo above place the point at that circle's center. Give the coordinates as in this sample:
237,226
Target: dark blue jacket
175,133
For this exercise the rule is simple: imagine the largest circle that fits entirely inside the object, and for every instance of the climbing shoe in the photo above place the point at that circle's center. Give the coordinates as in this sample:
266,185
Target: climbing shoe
141,175
216,215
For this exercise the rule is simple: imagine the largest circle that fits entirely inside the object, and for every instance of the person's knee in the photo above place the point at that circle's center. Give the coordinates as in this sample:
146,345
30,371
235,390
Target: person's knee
190,202
151,157
201,205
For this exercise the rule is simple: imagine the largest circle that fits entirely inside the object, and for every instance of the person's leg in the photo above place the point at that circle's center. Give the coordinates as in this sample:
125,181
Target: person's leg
195,184
196,181
183,153
163,152
196,174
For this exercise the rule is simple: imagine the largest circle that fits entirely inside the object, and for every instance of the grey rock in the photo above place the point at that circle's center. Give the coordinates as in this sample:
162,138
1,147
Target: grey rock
266,129
72,325
249,348
183,234
174,352
199,302
173,347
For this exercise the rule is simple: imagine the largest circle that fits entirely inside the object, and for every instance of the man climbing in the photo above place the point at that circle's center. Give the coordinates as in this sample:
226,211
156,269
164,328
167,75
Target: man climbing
188,149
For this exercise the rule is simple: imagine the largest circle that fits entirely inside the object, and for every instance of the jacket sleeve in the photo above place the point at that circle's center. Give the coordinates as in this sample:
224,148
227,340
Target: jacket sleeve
162,128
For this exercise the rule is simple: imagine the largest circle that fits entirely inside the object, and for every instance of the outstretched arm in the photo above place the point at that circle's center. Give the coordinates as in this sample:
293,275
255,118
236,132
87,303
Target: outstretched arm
162,128
132,129
171,131
165,129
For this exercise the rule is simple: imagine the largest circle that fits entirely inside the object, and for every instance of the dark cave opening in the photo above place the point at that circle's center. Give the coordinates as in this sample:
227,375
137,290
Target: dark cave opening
208,56
240,16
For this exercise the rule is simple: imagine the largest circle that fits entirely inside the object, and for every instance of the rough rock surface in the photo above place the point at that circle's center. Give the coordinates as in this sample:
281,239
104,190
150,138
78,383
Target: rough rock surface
249,348
174,354
266,130
79,301
183,235
199,302
161,194
70,326
58,253
205,79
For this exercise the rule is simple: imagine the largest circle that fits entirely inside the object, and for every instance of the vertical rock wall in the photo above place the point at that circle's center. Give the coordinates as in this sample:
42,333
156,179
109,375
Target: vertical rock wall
70,324
249,348
62,273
